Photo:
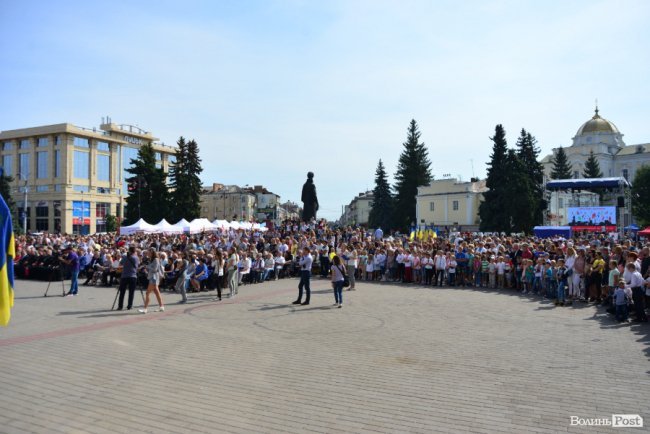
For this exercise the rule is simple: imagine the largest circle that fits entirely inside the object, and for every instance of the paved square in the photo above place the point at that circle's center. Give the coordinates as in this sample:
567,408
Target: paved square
394,359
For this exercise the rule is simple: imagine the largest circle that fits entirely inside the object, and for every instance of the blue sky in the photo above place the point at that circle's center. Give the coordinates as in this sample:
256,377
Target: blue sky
273,89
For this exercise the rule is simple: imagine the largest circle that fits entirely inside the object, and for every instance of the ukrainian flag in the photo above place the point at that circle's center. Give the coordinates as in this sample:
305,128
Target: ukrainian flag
7,253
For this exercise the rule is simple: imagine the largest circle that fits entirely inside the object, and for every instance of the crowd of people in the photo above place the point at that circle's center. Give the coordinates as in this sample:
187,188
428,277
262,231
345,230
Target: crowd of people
597,268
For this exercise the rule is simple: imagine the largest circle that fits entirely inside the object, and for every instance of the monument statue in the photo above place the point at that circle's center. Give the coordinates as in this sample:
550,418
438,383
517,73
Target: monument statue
309,199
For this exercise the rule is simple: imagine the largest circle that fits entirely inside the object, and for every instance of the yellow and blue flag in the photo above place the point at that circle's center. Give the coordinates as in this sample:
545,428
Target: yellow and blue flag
7,253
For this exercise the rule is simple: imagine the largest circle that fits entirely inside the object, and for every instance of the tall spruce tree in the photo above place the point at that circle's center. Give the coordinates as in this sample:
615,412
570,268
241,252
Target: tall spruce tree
641,195
382,201
148,194
561,169
194,185
185,182
528,152
519,191
493,210
413,171
592,167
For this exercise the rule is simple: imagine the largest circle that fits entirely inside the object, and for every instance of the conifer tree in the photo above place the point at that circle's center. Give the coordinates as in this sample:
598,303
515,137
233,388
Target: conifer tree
5,191
528,152
148,194
561,169
185,182
641,195
493,210
382,201
194,185
592,167
413,171
519,190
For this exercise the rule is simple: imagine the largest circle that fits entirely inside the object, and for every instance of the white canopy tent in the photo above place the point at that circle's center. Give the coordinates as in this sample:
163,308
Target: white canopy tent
167,228
140,226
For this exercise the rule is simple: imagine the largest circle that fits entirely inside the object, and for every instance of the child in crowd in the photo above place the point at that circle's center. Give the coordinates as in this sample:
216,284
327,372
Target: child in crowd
485,265
549,288
561,278
451,270
476,265
612,279
370,267
622,295
492,272
539,271
501,273
508,272
529,271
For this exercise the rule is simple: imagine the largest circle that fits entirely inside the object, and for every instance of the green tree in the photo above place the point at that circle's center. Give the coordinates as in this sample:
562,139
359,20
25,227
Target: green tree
111,223
382,201
520,193
592,167
561,169
413,171
641,195
148,194
185,182
493,210
528,153
5,191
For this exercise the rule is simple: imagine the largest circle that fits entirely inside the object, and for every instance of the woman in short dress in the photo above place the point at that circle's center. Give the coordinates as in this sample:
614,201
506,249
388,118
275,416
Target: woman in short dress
154,273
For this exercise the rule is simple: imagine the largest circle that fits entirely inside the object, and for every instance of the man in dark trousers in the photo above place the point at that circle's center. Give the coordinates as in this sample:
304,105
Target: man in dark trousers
129,263
305,274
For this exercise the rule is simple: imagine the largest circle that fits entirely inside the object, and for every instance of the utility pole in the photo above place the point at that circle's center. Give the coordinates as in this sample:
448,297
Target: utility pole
24,216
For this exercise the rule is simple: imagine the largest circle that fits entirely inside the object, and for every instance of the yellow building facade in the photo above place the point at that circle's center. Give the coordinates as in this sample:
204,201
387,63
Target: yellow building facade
449,202
74,176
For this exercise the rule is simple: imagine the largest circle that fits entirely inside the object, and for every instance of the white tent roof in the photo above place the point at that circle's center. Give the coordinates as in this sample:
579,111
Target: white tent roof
139,226
204,224
165,227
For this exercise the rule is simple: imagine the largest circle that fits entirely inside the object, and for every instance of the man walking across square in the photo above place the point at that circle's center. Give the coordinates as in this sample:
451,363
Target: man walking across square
305,263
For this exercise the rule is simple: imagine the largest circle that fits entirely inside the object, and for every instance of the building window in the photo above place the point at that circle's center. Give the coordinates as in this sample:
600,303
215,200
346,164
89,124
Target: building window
42,211
8,165
58,187
81,188
128,154
57,208
42,225
576,174
103,167
41,165
560,202
42,220
7,146
81,142
81,168
24,144
101,211
57,163
42,188
158,156
103,146
431,206
24,165
454,205
57,225
57,140
626,174
42,141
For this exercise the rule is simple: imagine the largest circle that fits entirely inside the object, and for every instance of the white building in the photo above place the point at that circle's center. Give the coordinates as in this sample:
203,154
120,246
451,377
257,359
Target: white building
358,211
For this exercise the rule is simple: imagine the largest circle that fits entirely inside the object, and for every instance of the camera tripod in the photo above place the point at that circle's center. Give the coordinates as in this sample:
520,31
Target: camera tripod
117,294
54,271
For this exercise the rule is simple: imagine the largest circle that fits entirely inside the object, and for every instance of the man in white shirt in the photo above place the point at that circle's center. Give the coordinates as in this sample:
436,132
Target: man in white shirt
637,284
305,274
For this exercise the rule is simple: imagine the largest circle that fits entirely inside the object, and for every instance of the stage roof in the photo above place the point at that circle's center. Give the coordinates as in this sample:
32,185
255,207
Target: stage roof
587,183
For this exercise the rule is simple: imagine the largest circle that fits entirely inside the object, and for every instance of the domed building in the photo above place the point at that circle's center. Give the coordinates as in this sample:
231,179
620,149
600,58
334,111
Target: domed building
605,140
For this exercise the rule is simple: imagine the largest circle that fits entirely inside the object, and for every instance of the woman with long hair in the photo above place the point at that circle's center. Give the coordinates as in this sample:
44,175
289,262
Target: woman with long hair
154,273
338,276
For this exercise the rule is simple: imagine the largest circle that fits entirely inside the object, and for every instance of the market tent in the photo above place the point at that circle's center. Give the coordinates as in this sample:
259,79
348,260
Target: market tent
203,225
632,228
551,231
140,226
645,232
165,227
221,224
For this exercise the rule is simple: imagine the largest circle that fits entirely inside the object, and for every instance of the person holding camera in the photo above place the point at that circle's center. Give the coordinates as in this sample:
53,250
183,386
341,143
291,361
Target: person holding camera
72,261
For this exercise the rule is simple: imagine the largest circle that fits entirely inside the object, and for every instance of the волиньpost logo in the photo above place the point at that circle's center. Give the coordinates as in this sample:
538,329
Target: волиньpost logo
616,421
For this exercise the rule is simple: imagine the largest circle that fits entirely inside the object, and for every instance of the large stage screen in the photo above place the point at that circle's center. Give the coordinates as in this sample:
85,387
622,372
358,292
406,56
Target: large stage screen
592,216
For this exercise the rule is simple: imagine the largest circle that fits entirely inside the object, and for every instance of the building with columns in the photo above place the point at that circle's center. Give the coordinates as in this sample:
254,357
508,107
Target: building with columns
74,176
